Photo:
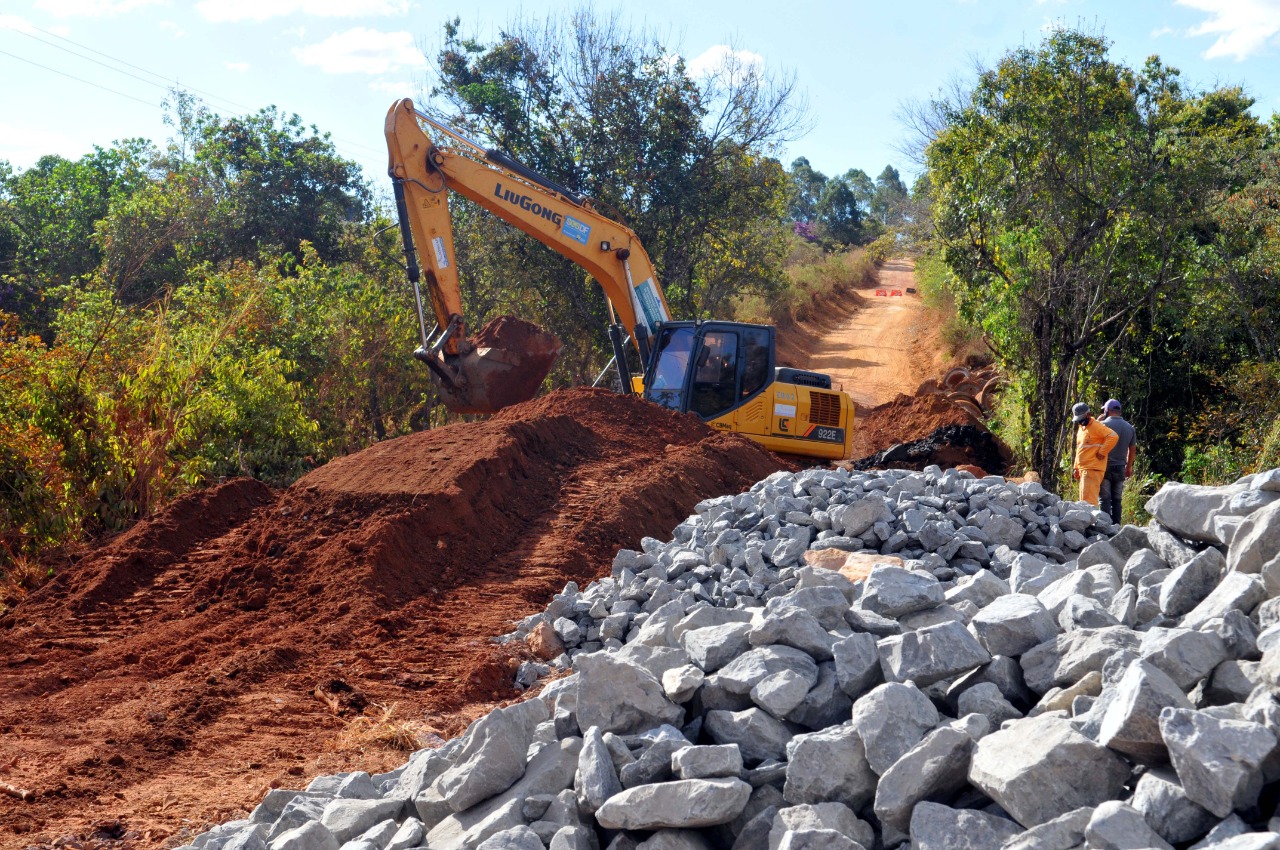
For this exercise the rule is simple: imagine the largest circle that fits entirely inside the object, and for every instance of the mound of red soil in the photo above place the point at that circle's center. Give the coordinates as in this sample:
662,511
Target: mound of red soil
903,420
172,675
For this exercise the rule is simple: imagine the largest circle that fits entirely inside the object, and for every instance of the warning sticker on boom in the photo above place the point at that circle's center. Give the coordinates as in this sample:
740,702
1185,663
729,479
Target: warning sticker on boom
442,259
650,304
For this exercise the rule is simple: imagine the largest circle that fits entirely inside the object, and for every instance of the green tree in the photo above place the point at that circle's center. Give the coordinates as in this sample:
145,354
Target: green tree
272,184
1070,196
685,163
889,200
808,188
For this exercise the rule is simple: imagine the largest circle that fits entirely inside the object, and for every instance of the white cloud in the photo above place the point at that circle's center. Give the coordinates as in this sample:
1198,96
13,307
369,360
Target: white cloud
226,11
1162,32
23,145
238,67
92,8
722,57
13,22
1243,27
362,51
398,88
173,29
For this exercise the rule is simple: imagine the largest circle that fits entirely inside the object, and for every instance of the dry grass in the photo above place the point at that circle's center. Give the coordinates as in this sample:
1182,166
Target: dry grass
380,728
22,575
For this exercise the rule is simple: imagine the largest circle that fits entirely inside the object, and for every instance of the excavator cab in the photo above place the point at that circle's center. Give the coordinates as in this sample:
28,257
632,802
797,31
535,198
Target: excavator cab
724,373
708,368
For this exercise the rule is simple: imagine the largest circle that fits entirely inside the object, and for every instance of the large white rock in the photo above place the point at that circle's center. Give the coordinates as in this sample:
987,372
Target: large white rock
936,767
1160,798
621,697
492,756
890,720
938,827
1218,761
1256,541
930,654
1116,826
744,672
1188,509
1236,592
893,591
759,735
1013,624
1131,724
829,766
682,804
1068,657
1040,767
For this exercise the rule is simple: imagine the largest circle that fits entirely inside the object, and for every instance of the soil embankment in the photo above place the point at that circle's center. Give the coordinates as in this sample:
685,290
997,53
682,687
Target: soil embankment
225,646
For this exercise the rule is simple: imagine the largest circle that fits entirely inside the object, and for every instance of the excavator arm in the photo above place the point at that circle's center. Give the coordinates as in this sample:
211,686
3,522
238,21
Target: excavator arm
507,362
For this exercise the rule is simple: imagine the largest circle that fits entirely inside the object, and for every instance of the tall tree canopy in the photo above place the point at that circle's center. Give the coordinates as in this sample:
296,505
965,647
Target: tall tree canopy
1074,199
686,163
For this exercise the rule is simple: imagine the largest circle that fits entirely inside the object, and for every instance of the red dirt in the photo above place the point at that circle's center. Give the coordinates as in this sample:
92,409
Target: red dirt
170,677
904,419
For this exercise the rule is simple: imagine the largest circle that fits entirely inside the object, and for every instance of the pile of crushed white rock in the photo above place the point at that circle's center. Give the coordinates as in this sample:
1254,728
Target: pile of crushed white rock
1014,672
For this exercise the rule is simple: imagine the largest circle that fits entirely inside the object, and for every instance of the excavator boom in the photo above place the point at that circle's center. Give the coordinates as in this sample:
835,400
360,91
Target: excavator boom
507,361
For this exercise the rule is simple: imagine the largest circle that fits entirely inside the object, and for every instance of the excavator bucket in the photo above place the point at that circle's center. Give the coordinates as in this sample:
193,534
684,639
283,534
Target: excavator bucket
506,364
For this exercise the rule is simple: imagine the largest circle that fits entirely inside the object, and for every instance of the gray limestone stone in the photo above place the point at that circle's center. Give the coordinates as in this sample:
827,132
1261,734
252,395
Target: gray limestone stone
934,769
492,755
985,698
1116,826
1171,549
938,827
931,654
682,804
311,835
1040,767
1131,723
829,766
1068,657
1165,806
348,818
758,735
596,779
982,588
797,628
1236,592
890,720
855,518
1187,656
1141,564
893,591
781,692
575,837
1188,509
816,839
707,762
832,817
620,696
665,839
712,647
1256,541
516,838
1085,612
1188,585
857,662
1031,574
741,675
1228,828
1062,833
1013,624
681,683
825,704
1218,761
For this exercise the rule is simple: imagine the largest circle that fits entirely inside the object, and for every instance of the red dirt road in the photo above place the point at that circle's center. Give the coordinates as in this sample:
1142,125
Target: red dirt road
228,645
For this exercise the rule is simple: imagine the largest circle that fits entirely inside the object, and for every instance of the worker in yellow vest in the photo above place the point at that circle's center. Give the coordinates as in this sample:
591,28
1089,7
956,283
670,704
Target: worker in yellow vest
1094,442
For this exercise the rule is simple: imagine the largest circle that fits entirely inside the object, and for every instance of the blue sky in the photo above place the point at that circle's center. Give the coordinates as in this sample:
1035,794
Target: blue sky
75,73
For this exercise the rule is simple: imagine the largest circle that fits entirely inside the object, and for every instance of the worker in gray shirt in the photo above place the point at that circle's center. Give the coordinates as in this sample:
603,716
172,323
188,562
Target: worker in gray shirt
1119,461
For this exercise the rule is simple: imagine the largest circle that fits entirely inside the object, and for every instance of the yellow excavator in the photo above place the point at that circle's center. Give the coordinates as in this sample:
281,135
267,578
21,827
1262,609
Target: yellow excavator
724,372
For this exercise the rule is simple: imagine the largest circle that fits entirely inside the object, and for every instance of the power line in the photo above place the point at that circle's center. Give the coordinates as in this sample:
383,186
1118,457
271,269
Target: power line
79,79
169,82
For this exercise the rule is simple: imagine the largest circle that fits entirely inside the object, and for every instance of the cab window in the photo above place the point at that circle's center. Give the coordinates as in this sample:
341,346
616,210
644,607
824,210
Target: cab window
667,385
755,368
715,376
